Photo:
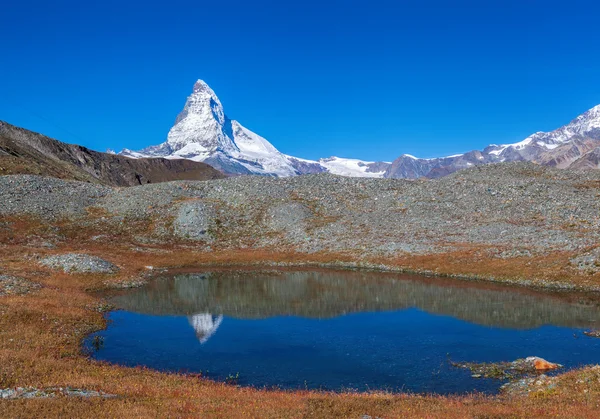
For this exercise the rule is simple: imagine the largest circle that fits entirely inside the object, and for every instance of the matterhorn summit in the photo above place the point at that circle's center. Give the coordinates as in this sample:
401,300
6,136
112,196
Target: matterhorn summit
202,127
203,132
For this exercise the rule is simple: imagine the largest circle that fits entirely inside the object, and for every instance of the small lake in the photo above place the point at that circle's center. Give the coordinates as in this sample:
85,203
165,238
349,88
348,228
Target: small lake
338,330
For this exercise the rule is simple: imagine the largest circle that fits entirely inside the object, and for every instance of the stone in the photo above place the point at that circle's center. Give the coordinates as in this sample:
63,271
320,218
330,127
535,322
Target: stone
540,364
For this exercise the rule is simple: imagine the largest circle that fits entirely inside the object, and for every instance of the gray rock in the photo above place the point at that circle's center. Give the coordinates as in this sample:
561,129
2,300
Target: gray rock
289,219
46,198
33,393
79,263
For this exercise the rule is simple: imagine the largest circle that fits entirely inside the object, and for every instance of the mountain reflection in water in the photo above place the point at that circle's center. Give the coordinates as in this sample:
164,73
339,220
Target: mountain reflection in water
205,325
206,297
339,330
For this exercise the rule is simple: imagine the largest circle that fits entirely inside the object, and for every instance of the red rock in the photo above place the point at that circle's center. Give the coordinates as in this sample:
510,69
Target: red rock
541,364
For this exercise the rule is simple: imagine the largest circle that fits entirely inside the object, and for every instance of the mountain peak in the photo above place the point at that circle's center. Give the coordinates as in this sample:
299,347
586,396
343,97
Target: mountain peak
201,127
201,86
202,91
594,113
595,109
587,123
202,132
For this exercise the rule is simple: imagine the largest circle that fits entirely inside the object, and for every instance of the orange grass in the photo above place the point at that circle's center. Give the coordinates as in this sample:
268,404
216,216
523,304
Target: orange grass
41,333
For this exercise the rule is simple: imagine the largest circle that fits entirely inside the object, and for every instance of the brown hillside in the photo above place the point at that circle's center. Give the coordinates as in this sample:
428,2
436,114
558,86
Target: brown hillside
26,152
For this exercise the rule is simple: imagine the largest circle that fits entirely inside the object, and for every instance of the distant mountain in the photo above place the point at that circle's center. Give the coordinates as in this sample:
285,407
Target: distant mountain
575,145
26,152
203,132
204,139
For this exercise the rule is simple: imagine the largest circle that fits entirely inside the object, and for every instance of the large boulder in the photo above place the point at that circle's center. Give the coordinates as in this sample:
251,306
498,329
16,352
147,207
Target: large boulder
540,364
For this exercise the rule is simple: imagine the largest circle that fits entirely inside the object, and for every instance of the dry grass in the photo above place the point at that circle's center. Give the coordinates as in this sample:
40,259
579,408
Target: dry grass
590,184
41,333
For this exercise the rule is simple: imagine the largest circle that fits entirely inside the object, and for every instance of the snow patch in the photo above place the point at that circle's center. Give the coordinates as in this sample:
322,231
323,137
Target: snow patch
349,167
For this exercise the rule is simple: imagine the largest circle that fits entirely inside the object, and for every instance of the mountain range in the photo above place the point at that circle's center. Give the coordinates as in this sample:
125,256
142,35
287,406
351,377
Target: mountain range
202,132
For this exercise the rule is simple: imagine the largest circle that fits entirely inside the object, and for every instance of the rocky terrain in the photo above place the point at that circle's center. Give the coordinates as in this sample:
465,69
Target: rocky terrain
61,241
516,211
34,393
25,152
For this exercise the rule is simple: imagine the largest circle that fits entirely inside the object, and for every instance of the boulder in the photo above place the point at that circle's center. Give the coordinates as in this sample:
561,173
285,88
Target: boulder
540,364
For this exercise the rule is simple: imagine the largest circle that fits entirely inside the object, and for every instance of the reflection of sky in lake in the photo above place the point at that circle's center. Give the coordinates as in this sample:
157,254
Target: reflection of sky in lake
262,330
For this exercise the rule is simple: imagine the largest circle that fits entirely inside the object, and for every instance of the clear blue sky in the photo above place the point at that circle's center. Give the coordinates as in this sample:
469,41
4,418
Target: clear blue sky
368,79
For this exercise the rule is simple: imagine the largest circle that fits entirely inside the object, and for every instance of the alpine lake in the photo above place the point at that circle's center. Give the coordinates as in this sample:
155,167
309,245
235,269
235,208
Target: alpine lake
342,330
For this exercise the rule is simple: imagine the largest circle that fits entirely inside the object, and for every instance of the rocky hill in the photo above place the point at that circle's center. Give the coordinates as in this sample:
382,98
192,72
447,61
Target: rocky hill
537,217
26,152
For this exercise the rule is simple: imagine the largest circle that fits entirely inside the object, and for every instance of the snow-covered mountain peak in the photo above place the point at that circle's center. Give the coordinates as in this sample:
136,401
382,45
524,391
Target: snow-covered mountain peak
202,127
585,125
586,122
203,101
203,132
201,86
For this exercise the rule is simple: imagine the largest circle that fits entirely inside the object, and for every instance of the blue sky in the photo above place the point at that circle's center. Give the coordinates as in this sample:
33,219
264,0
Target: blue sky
367,79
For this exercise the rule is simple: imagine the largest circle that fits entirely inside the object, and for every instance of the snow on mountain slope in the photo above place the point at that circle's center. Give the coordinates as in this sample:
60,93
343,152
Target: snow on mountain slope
202,125
561,148
350,167
254,148
585,125
203,132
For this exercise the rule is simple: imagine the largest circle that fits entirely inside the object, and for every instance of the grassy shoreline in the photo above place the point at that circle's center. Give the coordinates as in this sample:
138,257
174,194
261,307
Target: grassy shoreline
41,335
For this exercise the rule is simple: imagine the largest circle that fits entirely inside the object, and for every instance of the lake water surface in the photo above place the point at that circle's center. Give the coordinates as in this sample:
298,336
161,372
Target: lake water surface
335,330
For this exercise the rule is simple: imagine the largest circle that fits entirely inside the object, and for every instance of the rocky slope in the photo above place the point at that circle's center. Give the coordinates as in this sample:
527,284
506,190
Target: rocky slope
26,152
203,132
493,212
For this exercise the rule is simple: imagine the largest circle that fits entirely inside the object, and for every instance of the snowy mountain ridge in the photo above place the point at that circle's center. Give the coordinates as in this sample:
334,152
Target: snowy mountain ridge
203,132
